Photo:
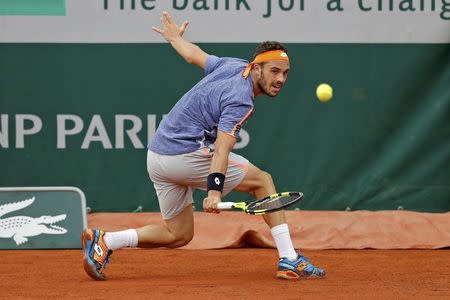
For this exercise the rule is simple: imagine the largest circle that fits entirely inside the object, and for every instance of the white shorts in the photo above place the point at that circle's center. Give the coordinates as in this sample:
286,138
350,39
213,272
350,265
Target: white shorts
176,176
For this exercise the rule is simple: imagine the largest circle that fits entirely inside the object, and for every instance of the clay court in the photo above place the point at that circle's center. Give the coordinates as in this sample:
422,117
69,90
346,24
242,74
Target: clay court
226,274
240,262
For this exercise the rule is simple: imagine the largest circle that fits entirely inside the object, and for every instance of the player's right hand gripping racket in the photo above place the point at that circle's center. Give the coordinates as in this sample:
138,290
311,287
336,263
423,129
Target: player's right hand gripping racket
268,204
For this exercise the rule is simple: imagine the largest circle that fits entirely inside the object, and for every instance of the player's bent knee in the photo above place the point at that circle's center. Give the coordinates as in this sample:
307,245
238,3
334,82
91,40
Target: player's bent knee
268,178
264,180
181,241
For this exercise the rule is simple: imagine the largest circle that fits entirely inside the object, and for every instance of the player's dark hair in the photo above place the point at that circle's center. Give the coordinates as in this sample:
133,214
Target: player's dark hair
269,46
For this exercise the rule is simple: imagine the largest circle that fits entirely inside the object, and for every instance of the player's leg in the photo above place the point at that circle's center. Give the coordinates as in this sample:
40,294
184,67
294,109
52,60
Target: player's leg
177,231
175,201
260,184
98,245
292,265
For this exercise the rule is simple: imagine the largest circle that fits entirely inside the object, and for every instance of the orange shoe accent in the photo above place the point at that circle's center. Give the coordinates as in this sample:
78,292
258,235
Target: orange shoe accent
289,275
100,249
301,266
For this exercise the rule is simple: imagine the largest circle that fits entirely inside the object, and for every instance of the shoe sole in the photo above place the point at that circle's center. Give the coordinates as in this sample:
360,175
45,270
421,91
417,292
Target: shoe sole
291,275
89,268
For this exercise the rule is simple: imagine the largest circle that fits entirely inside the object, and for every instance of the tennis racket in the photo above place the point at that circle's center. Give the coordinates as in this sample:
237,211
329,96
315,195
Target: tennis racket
270,203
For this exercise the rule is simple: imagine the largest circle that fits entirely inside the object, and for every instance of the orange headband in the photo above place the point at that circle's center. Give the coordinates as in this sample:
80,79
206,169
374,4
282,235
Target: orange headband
265,56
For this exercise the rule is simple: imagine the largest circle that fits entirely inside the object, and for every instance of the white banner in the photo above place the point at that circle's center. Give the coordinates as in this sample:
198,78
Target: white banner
290,21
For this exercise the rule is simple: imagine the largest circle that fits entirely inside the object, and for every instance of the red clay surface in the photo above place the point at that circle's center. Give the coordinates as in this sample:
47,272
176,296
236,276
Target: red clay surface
226,274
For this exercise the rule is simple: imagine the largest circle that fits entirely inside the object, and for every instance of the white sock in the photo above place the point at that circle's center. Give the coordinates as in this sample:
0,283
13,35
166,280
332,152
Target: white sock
283,241
121,239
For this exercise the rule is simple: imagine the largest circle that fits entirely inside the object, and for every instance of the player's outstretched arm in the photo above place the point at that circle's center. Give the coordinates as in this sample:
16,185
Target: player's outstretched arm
174,35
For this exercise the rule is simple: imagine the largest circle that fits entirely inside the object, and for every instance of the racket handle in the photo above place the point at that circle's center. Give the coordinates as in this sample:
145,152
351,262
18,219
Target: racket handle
225,205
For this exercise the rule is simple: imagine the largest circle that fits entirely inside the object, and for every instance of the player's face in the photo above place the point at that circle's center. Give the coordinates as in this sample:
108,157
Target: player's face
272,76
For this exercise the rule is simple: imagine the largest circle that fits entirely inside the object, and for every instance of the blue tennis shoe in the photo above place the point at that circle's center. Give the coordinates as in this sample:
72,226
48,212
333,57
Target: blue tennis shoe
301,268
96,254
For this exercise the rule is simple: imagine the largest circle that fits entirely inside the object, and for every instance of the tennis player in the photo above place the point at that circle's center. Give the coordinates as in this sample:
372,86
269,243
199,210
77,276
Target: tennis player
180,158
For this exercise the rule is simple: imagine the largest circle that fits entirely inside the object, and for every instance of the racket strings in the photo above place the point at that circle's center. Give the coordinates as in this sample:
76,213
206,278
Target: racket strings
274,203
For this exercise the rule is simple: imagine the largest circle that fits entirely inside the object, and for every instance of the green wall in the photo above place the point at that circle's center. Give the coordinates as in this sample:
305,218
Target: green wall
382,142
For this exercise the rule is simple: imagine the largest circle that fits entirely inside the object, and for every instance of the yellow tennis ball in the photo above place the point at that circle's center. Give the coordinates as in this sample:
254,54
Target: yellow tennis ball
324,92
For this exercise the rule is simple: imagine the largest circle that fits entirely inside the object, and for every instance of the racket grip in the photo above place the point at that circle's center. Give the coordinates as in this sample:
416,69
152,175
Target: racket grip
225,205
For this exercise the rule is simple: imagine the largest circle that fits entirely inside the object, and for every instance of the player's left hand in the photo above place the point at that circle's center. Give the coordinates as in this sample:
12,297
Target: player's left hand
170,29
211,201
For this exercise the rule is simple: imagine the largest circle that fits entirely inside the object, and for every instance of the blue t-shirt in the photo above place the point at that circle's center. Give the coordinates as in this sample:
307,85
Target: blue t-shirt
222,100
